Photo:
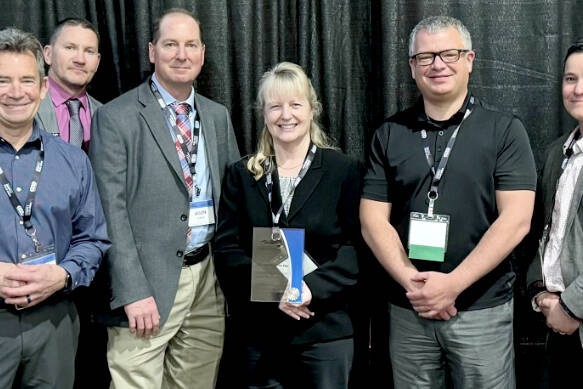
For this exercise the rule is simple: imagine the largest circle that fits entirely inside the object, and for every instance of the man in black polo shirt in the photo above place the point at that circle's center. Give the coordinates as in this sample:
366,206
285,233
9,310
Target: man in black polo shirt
448,194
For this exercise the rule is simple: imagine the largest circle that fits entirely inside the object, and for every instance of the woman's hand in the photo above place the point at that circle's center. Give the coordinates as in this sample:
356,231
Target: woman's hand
295,310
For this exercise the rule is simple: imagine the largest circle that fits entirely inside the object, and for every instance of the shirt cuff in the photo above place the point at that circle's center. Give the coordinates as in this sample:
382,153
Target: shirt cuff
535,288
535,306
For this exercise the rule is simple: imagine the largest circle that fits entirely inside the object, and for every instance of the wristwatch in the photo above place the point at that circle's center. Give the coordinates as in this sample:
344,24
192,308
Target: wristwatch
68,281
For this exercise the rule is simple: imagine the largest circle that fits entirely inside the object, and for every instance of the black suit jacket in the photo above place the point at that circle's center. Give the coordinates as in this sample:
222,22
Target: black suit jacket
325,204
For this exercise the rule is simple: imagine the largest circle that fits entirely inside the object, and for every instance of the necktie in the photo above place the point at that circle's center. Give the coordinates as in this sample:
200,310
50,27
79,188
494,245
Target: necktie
75,127
183,123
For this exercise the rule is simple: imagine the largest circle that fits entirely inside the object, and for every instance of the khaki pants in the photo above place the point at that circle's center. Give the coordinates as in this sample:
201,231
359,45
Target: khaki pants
187,351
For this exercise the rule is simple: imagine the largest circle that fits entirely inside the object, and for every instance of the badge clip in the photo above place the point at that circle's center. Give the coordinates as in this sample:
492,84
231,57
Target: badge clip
432,195
275,234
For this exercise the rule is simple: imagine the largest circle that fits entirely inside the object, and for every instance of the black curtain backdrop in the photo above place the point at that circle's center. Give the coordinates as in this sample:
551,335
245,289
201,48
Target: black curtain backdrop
355,52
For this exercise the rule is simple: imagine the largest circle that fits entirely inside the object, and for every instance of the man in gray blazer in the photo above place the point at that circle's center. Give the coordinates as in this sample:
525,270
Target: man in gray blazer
73,56
159,152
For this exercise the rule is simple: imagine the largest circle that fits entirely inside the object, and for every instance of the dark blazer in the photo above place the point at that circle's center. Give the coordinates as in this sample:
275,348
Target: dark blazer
570,257
325,204
144,195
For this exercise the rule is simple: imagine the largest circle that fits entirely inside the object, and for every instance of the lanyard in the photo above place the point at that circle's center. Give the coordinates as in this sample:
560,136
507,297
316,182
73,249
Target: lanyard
569,150
433,194
275,233
25,213
190,155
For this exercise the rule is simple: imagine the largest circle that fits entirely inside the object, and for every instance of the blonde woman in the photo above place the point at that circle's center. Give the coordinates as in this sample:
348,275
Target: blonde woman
299,177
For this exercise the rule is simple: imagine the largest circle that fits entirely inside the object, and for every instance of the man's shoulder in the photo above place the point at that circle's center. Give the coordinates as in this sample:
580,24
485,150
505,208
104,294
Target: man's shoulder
493,112
404,118
94,102
123,101
54,144
205,104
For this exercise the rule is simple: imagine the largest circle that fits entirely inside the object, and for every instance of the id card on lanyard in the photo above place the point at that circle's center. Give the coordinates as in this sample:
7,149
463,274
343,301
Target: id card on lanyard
428,232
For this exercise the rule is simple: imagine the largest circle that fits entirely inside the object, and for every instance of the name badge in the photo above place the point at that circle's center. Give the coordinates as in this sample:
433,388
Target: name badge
46,256
201,213
428,236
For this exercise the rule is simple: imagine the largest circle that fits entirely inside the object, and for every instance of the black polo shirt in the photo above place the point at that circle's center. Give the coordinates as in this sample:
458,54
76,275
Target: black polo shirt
491,153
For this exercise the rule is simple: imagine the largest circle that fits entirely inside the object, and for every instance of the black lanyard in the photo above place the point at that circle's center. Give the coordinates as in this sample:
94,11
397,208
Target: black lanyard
25,213
190,155
569,150
433,194
275,235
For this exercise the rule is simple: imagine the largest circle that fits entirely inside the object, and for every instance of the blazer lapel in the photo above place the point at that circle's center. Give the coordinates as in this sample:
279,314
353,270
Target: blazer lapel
307,185
46,115
574,206
210,145
158,126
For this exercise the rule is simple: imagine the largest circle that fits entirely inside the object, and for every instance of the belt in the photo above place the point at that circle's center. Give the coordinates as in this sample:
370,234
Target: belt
196,256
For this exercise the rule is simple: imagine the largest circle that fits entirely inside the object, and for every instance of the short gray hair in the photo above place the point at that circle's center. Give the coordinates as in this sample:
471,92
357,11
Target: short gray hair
14,40
434,24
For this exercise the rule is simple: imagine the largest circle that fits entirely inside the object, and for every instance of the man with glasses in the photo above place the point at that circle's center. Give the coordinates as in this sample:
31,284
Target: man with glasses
448,194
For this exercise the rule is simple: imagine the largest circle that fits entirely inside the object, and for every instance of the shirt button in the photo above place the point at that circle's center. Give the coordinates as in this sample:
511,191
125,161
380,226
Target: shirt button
179,253
23,256
441,133
17,157
183,218
18,189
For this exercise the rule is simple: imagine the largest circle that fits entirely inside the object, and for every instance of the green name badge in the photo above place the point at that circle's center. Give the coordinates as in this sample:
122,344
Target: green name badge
428,236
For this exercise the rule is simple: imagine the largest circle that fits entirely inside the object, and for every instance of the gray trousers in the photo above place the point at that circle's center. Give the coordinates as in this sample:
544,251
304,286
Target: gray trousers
475,347
38,345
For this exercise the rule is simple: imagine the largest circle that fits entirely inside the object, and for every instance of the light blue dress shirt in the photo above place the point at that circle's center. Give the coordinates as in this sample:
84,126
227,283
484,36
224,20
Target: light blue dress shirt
200,235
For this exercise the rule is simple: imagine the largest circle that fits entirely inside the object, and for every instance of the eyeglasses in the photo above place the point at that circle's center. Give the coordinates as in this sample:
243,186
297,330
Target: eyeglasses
447,56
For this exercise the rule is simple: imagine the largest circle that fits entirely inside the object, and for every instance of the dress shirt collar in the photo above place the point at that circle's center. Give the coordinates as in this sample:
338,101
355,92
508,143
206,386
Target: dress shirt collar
578,145
425,122
60,96
34,139
167,97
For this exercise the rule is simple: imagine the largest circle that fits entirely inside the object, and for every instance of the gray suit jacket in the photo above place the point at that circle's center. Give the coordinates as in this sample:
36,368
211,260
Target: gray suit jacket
47,119
571,257
144,194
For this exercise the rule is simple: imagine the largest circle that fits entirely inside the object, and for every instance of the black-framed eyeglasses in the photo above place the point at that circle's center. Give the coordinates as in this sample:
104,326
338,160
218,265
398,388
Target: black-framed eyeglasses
447,56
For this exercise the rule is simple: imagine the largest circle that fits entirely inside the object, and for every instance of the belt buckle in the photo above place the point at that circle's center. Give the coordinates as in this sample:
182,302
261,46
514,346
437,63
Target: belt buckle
19,307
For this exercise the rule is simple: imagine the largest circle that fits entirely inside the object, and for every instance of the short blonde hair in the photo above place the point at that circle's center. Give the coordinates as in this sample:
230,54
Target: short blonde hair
285,76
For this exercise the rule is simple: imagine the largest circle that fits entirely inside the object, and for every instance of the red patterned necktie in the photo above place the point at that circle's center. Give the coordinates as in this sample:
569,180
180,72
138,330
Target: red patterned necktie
183,123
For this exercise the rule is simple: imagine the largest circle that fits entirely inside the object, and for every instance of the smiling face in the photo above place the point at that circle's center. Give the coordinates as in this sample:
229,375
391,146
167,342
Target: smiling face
73,58
288,117
573,86
178,53
441,81
21,91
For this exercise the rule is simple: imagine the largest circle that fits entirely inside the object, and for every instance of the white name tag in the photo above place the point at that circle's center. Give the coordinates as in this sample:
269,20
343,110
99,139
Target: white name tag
201,213
428,236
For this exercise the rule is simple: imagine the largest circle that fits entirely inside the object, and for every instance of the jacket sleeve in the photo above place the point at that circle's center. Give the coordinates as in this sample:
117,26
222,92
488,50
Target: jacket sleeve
232,264
109,157
334,277
89,240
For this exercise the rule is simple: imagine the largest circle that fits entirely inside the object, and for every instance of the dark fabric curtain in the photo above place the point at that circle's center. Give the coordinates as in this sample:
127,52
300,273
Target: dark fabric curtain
355,51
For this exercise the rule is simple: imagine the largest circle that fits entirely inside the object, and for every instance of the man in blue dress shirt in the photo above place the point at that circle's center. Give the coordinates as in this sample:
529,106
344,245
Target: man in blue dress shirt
53,232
